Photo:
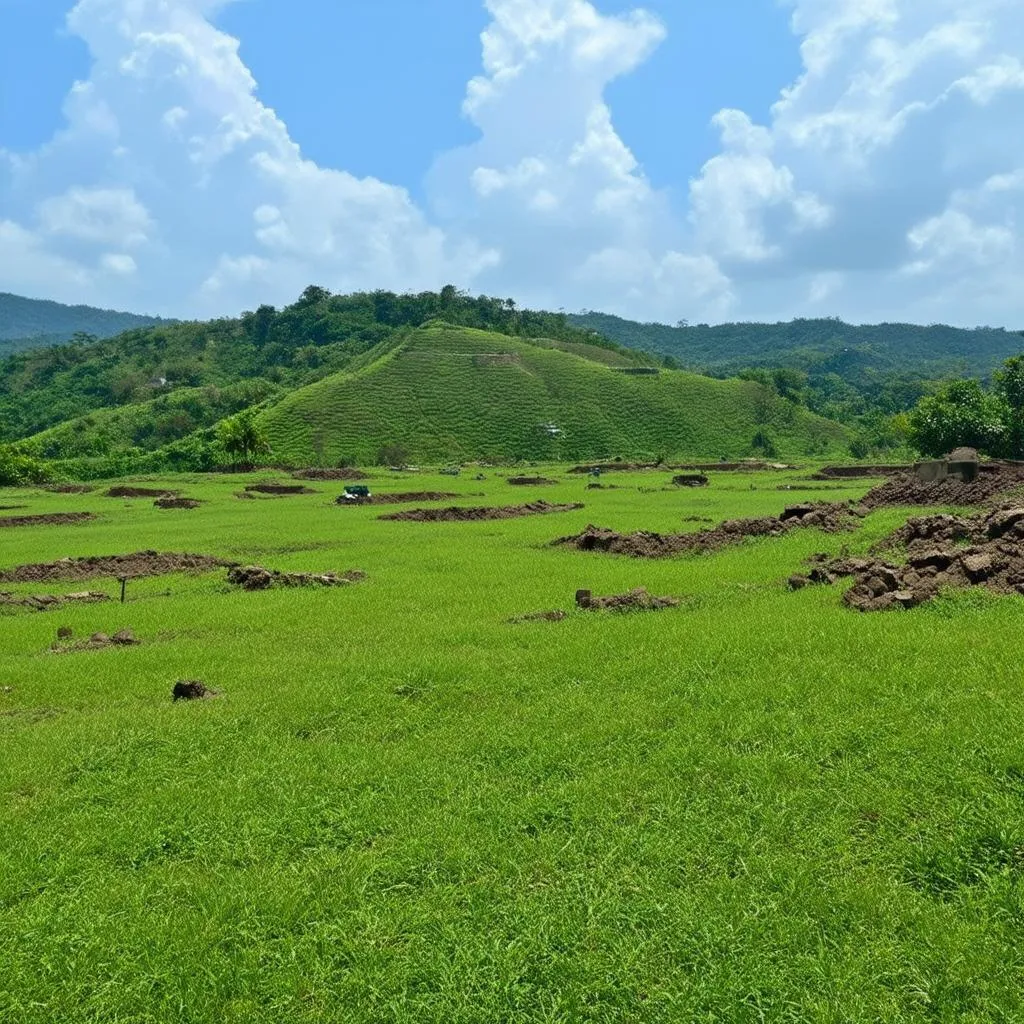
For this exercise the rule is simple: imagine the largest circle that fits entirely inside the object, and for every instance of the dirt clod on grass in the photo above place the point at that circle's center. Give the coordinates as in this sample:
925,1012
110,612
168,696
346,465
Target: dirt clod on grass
49,602
636,600
192,689
831,518
139,492
177,503
690,480
941,552
994,479
53,519
530,481
330,474
256,577
96,642
281,489
395,499
139,564
464,515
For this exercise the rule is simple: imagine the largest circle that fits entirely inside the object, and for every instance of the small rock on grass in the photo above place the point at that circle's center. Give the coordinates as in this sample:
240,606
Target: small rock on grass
192,689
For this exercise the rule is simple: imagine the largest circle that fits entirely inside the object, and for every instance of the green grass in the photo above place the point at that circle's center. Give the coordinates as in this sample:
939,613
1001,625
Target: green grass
442,395
758,807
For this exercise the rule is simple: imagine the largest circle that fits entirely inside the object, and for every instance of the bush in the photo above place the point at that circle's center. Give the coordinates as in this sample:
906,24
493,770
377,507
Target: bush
393,455
17,468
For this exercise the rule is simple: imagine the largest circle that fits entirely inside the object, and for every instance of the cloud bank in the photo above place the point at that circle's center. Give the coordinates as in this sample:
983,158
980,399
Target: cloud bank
887,183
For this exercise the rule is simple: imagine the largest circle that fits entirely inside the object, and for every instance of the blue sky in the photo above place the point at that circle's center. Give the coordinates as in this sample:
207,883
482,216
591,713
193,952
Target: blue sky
683,159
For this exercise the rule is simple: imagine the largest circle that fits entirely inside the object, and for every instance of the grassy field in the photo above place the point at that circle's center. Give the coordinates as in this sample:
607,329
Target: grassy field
458,394
759,806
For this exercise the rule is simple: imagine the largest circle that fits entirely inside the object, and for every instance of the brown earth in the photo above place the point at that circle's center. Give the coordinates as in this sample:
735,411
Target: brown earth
67,488
53,519
635,600
603,487
138,492
192,689
614,467
142,563
994,480
96,642
941,552
330,474
556,616
396,499
854,472
530,481
48,602
830,518
279,489
177,503
460,515
690,480
255,577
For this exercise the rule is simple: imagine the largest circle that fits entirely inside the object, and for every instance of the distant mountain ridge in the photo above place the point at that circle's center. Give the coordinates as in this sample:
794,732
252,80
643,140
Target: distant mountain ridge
34,323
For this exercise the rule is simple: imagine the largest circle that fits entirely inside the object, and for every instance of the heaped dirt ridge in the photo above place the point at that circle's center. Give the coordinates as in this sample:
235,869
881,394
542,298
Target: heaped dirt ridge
49,602
282,489
133,566
66,644
831,518
530,481
52,519
256,577
993,480
139,492
635,600
941,552
395,499
177,503
469,515
330,474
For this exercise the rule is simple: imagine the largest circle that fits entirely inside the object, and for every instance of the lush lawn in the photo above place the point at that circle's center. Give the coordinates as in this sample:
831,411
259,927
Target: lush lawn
759,806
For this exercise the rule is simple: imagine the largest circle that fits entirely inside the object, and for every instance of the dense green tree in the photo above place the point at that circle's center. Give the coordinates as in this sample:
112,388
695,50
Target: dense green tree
242,438
960,413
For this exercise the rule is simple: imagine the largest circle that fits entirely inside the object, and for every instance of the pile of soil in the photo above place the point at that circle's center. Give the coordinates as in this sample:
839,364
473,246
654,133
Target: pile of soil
993,480
396,499
690,480
255,577
97,642
192,689
67,488
635,600
330,474
613,467
177,503
942,551
855,472
530,481
464,515
279,489
53,519
138,492
142,563
48,602
831,518
603,487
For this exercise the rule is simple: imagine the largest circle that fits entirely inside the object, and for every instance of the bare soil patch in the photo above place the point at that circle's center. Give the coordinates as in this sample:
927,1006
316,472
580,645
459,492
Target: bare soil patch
941,552
636,600
465,515
530,481
49,602
855,472
690,480
256,577
177,503
395,499
139,492
53,519
831,518
994,479
65,644
330,474
137,565
192,689
281,489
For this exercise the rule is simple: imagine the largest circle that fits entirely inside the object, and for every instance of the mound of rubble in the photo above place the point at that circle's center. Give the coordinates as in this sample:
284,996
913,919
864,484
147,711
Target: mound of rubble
831,518
256,577
142,563
393,499
463,515
138,492
330,474
53,519
941,551
959,479
635,600
49,602
97,642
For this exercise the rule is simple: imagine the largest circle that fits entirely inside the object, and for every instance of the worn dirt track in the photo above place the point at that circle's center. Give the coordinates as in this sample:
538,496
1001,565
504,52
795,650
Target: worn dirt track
133,566
469,515
53,519
832,518
396,499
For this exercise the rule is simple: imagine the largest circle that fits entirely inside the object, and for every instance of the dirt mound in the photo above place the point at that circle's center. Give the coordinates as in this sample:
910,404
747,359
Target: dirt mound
53,519
530,481
67,488
830,518
395,499
855,472
177,503
690,480
603,487
97,642
192,689
993,480
556,616
255,577
614,467
138,492
330,474
941,551
279,489
48,602
468,515
142,563
635,600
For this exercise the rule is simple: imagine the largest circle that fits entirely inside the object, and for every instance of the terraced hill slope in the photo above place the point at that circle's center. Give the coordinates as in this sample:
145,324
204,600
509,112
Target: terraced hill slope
462,394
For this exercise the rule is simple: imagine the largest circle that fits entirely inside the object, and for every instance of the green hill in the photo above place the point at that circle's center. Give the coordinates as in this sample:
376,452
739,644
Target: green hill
34,323
449,393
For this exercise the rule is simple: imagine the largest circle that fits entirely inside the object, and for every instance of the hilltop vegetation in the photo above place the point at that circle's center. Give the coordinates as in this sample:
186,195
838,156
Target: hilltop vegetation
34,323
448,393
